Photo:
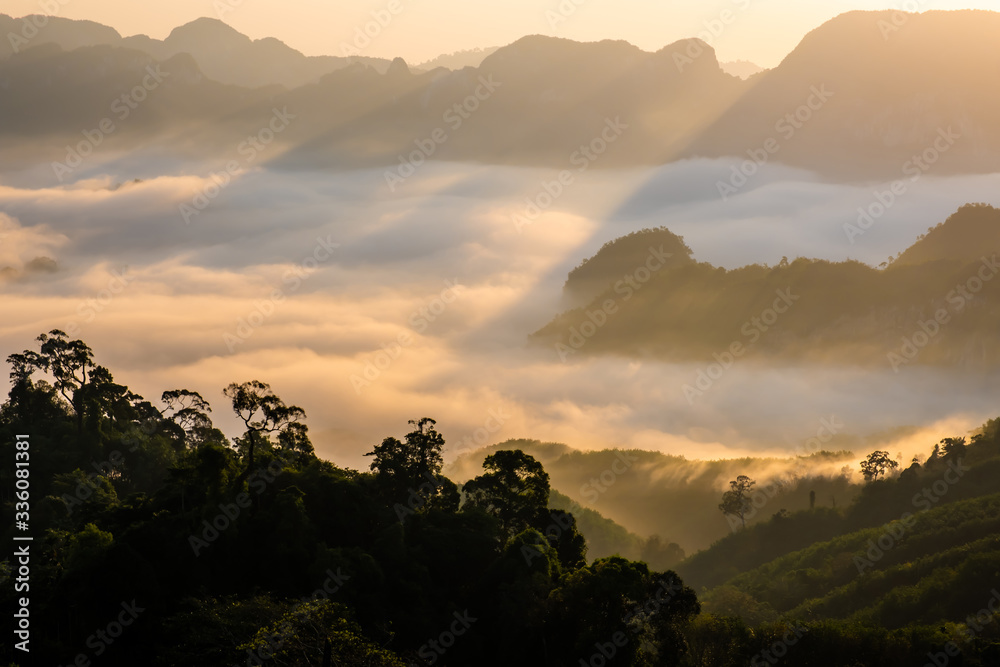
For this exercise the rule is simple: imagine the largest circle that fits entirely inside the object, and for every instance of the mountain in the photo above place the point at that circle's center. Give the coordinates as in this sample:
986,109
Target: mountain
222,53
743,69
600,272
913,548
458,59
963,237
839,312
122,99
540,101
860,98
677,499
22,33
884,87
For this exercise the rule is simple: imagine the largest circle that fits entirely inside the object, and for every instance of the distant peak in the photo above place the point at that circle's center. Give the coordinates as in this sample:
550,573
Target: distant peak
207,28
398,67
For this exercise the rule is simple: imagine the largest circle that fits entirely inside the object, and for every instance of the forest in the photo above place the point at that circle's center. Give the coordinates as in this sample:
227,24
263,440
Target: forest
933,303
160,540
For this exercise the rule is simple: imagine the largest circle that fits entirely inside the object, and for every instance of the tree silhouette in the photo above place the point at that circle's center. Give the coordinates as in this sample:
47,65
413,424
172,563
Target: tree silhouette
736,501
69,362
188,412
514,489
953,448
876,465
262,413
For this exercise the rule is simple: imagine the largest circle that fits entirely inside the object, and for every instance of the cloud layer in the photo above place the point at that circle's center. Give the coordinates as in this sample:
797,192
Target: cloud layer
368,307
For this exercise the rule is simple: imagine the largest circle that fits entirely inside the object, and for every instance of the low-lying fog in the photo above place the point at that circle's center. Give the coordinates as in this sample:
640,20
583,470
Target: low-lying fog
301,279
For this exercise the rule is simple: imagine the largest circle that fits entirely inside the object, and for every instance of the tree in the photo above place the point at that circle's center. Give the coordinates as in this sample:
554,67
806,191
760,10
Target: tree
262,412
514,489
69,362
954,448
876,465
736,501
188,412
413,462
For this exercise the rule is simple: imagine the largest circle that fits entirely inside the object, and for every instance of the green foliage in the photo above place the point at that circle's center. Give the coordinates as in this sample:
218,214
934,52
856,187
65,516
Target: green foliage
261,548
311,564
514,489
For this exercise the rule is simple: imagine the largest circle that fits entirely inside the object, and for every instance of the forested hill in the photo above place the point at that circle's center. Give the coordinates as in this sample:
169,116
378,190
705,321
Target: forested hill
915,547
158,540
937,303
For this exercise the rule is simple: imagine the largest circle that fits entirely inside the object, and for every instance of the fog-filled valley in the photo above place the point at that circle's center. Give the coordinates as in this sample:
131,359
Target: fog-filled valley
611,287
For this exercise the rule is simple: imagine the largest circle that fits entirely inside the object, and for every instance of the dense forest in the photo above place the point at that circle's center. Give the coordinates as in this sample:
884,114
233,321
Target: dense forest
158,540
934,303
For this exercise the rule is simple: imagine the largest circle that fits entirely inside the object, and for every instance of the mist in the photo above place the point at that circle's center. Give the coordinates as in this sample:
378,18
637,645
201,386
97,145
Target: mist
369,307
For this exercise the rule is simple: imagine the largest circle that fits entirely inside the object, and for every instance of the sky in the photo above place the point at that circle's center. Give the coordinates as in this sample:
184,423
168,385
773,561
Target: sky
762,31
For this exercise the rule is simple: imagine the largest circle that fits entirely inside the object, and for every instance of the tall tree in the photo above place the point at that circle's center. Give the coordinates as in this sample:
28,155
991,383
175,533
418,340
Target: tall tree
69,362
736,501
411,469
877,465
187,412
262,413
514,489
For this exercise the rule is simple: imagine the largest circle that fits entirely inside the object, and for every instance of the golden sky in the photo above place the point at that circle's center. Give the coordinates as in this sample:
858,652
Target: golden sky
762,31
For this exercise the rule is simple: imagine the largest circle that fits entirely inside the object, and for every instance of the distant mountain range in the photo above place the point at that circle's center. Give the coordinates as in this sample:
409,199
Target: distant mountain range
222,53
458,59
855,100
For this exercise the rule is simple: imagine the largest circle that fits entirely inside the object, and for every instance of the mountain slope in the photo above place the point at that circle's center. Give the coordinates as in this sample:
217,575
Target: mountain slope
894,84
810,309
